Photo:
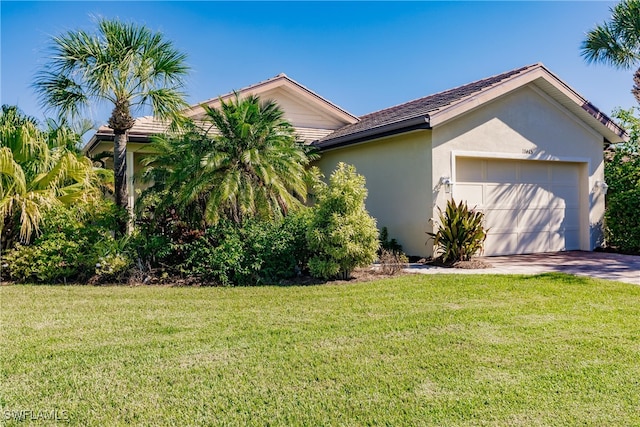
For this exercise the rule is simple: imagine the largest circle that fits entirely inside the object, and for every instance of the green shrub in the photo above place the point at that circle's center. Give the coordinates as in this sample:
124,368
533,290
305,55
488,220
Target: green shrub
277,250
622,222
622,174
217,256
53,259
66,249
387,244
114,260
255,253
341,234
460,234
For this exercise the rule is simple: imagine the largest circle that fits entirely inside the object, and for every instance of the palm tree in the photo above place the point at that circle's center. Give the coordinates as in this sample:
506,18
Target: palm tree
617,42
245,162
124,66
37,172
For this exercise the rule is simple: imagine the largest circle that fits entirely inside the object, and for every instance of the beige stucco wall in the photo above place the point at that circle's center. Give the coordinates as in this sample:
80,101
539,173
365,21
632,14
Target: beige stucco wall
526,124
398,174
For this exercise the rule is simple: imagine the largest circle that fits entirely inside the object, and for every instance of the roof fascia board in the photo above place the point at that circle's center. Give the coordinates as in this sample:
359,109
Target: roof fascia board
540,72
277,82
476,100
377,138
415,123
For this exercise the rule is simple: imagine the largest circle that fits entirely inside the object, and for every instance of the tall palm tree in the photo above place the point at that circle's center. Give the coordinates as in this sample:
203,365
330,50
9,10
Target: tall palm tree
124,66
37,171
617,42
245,162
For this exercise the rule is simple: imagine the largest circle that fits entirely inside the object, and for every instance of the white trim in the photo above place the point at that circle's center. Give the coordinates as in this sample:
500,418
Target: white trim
514,156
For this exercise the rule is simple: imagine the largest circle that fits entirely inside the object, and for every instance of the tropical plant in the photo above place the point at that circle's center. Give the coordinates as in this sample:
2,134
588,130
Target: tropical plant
617,41
460,233
124,66
244,162
622,174
37,172
341,235
68,245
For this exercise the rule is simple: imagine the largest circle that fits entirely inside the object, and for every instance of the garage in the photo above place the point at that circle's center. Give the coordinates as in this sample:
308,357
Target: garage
529,205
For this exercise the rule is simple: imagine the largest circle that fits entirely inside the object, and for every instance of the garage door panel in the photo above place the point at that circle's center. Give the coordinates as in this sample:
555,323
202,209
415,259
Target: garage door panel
565,196
565,240
572,239
529,206
499,195
530,242
571,219
534,172
472,193
565,173
532,195
501,244
469,169
534,219
501,171
497,220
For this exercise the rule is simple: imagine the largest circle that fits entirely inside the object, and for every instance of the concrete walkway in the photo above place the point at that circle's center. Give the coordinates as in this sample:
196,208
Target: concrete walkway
623,268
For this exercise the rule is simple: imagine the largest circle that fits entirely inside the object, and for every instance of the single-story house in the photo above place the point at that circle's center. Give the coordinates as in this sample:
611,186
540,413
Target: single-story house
522,146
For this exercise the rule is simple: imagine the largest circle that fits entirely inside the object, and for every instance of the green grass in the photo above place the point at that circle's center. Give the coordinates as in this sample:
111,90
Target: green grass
416,350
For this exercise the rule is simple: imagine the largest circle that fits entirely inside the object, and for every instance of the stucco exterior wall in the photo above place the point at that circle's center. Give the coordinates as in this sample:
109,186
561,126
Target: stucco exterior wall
526,125
398,174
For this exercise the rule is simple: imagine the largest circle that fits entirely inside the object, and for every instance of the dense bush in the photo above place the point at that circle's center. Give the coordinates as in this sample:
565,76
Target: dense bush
277,250
217,256
622,174
227,253
460,233
342,235
68,246
622,221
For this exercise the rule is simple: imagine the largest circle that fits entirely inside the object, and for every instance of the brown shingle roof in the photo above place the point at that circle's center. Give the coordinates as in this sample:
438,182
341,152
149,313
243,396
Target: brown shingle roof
416,109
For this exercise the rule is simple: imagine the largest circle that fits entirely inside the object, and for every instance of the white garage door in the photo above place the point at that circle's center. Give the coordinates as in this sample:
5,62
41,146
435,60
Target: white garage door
529,206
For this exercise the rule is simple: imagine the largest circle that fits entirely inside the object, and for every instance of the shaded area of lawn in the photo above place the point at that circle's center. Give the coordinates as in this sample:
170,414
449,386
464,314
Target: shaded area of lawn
417,350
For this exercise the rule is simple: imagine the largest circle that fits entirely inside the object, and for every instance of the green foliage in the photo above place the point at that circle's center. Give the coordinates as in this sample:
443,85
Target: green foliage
387,244
121,65
217,256
341,235
617,42
227,253
67,248
277,250
38,172
252,166
460,233
622,174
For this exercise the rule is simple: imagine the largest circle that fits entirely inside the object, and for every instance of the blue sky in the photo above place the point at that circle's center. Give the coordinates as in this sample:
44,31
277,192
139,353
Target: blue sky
363,56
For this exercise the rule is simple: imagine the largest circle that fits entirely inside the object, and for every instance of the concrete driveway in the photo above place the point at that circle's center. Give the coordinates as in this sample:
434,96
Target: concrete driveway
623,268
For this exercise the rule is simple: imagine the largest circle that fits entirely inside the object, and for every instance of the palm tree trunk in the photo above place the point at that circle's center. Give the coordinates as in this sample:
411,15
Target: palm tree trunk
121,121
120,180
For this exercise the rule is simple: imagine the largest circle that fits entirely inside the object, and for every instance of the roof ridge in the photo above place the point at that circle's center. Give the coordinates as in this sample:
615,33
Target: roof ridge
279,76
515,70
251,86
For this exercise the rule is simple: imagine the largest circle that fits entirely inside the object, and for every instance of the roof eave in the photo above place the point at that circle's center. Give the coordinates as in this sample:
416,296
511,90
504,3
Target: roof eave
415,123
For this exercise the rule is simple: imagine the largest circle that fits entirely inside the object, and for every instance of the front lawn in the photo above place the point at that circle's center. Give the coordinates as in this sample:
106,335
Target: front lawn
416,350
